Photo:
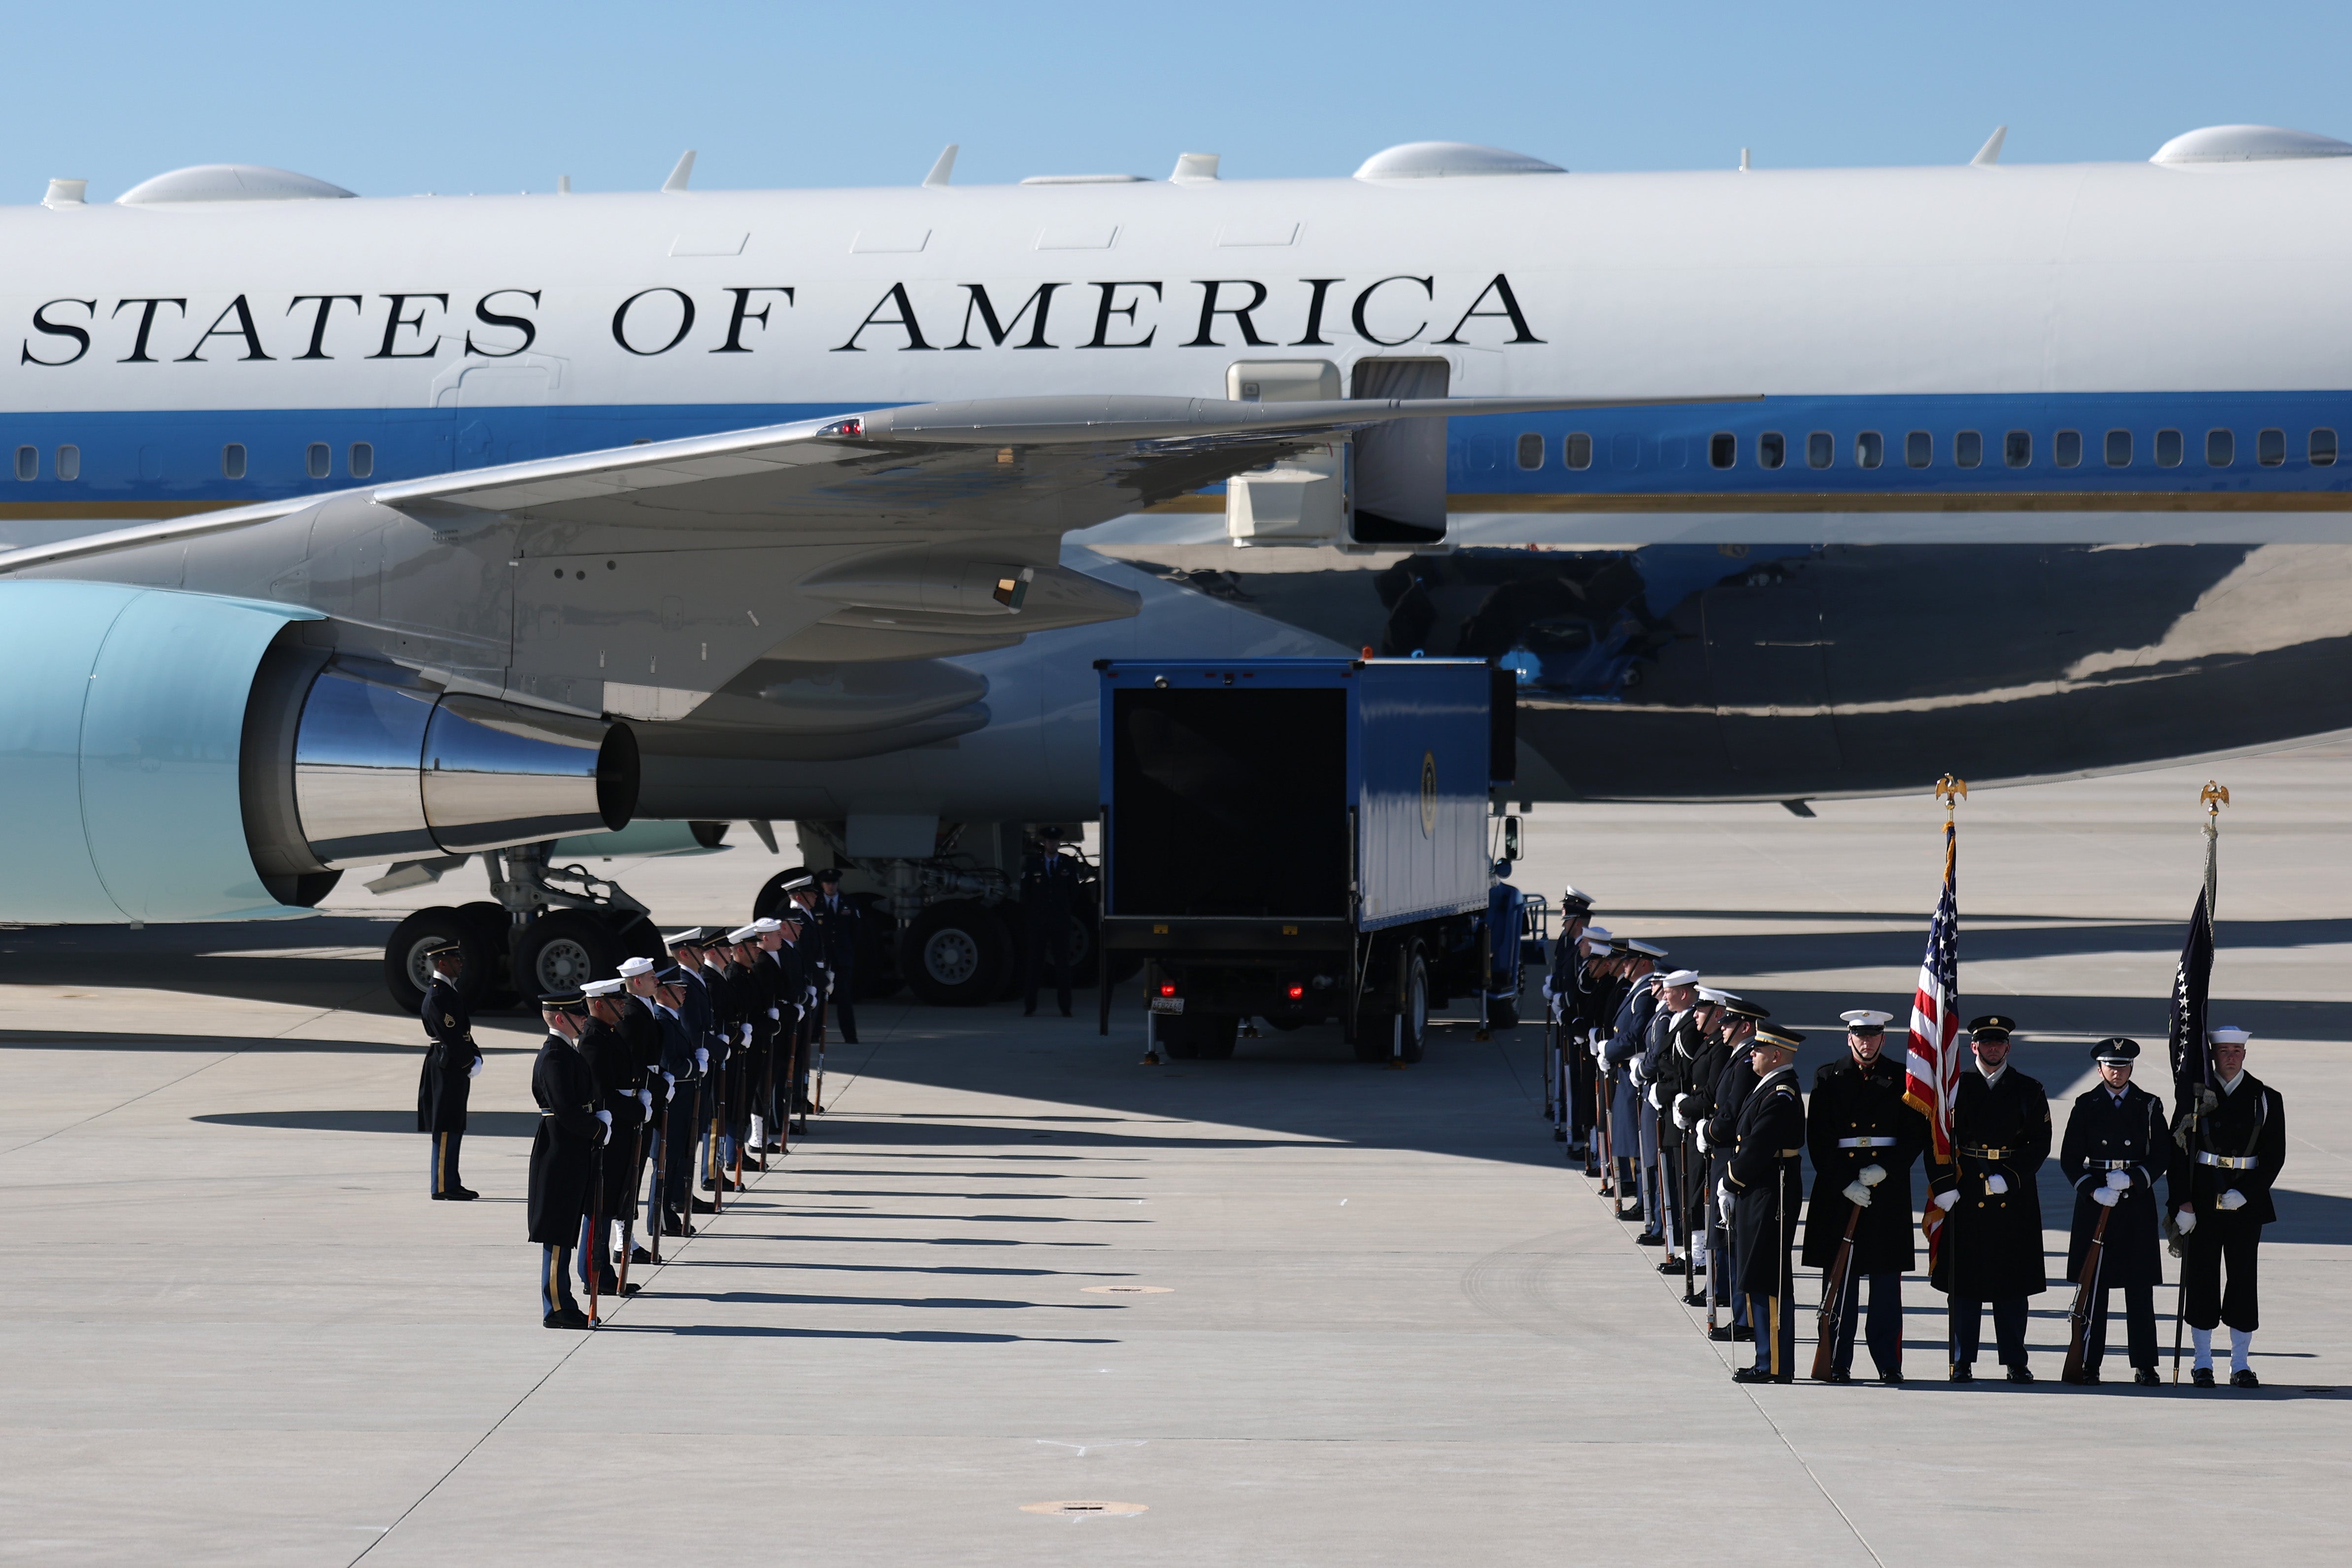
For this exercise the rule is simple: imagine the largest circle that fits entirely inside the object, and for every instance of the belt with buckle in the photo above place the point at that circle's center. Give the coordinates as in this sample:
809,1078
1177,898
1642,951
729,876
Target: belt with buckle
2227,1162
1790,1153
2108,1165
1976,1154
1866,1143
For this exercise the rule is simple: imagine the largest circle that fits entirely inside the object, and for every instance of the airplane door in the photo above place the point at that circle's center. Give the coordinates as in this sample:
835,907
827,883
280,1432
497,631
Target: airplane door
1399,489
1769,674
1299,501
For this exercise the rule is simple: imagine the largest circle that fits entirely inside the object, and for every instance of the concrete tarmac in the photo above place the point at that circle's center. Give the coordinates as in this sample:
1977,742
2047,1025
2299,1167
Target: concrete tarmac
1285,1308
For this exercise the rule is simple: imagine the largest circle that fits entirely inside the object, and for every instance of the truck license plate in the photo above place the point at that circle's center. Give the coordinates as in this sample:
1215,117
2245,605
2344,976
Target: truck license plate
1168,1004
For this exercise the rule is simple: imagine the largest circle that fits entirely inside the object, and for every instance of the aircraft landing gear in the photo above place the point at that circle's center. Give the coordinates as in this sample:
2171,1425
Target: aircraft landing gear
550,928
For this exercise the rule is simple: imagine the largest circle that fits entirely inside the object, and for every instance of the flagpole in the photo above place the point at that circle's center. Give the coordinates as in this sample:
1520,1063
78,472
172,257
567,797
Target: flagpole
2213,797
1951,791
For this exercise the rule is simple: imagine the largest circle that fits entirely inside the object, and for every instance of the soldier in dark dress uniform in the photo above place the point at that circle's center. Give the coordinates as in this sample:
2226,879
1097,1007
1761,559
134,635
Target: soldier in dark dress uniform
451,1062
1728,1076
1990,1248
788,984
1628,1030
754,979
1864,1140
2228,1145
621,1091
668,1198
2114,1145
691,1110
1567,991
1049,892
1680,1036
641,1028
563,1153
1762,1189
838,920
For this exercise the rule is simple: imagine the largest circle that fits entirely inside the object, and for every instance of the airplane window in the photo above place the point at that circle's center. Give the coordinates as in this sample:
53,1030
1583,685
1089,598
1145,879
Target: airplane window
1625,452
2322,448
2017,448
1919,449
28,463
69,462
2220,448
1869,449
2068,449
363,459
1771,449
1722,450
2270,448
1531,450
2168,449
1967,448
2119,449
316,461
233,461
1820,450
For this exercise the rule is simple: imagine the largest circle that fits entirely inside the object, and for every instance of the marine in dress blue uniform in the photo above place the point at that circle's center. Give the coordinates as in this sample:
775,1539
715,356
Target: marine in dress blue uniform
1628,1036
1716,1124
2115,1144
1864,1140
452,1060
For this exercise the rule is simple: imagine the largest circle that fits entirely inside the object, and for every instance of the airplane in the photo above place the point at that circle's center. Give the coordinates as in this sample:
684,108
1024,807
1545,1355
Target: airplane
457,526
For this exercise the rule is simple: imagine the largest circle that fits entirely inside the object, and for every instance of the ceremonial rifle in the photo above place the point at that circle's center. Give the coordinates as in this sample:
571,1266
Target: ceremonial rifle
816,1090
768,1091
629,1215
717,1080
2086,1287
596,1237
1690,1234
1825,1324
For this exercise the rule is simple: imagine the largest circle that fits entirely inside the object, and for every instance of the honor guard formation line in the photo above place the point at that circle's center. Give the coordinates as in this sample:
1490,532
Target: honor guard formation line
1682,1101
653,1083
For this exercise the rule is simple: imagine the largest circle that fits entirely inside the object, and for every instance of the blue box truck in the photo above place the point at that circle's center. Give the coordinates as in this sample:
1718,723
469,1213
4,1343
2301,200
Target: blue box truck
1300,839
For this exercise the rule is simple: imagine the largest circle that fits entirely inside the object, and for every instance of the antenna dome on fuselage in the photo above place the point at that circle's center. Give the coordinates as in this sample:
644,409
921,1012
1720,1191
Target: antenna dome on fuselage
2249,144
1450,159
228,183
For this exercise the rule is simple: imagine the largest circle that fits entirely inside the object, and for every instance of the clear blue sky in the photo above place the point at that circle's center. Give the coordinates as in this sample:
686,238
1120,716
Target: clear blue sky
485,96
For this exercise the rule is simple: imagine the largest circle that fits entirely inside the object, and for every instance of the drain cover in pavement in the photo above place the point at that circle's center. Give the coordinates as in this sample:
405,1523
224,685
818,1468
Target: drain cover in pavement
1083,1510
1127,1290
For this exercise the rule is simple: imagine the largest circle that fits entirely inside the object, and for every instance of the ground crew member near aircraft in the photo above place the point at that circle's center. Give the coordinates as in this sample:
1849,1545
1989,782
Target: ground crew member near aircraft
1761,1189
2115,1144
1990,1248
621,1092
452,1061
1864,1140
1716,1117
837,921
2228,1145
1049,892
562,1152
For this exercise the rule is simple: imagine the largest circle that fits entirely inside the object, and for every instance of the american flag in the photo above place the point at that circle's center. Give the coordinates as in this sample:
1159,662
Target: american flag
1932,1061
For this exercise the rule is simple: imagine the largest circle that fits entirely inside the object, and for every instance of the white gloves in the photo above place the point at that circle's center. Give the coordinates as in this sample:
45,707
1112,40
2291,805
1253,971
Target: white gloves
669,1087
1683,1117
1857,1194
1996,1184
475,1070
1705,1144
1944,1200
747,1034
645,1101
1634,1072
2119,1179
775,1012
702,1059
1655,1104
1724,1197
1871,1176
2185,1221
2104,1196
605,1135
2230,1199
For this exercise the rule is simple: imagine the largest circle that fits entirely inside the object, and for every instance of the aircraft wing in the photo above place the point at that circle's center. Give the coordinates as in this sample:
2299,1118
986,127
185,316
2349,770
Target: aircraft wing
1024,465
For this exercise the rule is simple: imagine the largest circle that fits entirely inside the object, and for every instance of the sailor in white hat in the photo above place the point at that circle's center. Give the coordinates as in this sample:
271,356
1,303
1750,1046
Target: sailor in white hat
2230,1142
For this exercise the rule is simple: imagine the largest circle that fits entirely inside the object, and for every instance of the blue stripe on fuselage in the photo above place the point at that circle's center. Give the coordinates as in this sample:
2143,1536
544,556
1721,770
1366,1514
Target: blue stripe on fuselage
147,458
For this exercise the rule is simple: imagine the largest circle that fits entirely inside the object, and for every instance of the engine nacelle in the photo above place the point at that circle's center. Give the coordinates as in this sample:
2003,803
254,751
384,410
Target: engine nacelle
169,756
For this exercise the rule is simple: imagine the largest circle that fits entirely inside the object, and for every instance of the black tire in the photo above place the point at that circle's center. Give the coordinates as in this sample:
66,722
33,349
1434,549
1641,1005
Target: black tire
641,939
1214,1035
1174,1032
1086,932
1286,1025
405,972
1412,1000
564,947
1125,967
1373,1040
952,954
1501,1013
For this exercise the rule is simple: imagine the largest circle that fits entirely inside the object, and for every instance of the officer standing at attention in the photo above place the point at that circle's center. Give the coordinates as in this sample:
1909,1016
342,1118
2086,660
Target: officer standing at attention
2115,1143
681,1050
790,981
649,1039
1863,1139
563,1153
837,919
1566,990
1628,1034
696,1010
1716,1115
2229,1146
1761,1190
1671,1022
621,1092
1990,1247
452,1061
1049,890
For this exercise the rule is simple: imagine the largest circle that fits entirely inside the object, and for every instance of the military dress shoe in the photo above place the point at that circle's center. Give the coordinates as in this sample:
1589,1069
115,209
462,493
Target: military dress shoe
1962,1372
704,1206
2244,1378
1633,1213
1720,1332
565,1318
640,1255
627,1290
1840,1374
2146,1377
2020,1375
1651,1238
1670,1266
1892,1379
1744,1333
2086,1378
1695,1299
2201,1376
1757,1374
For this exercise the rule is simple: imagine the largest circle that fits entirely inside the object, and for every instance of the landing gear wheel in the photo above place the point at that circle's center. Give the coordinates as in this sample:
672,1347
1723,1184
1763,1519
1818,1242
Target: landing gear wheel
952,954
406,973
564,948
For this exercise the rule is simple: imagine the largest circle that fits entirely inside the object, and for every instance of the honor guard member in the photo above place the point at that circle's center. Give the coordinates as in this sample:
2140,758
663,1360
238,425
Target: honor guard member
641,1027
2228,1145
1565,990
1718,1126
620,1093
756,979
837,921
1762,1189
1670,1022
1990,1246
667,1201
2115,1144
1049,892
1864,1140
563,1153
452,1061
780,949
695,1010
1689,1043
1583,1010
1628,1034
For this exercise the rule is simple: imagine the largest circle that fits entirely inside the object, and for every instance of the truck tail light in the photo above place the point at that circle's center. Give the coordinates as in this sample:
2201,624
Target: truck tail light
1297,992
1167,991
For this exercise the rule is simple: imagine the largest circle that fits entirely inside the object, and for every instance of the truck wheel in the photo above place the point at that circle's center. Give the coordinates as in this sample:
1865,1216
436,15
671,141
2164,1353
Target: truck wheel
1010,922
406,973
1501,1013
1374,1024
563,948
1412,1000
1214,1036
950,955
1176,1037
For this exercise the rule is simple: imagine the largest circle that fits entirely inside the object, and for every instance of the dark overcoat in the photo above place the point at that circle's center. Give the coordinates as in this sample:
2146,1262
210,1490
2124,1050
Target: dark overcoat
1766,1180
2103,1136
563,1148
446,1081
1990,1248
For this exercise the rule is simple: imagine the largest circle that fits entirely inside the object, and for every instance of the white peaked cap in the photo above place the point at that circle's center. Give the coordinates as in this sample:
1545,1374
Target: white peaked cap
1863,1018
744,933
633,965
600,987
1598,933
1715,999
767,922
1681,977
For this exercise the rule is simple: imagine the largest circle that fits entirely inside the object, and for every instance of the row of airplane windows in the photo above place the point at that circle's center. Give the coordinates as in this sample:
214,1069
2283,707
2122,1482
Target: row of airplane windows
1918,449
318,461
